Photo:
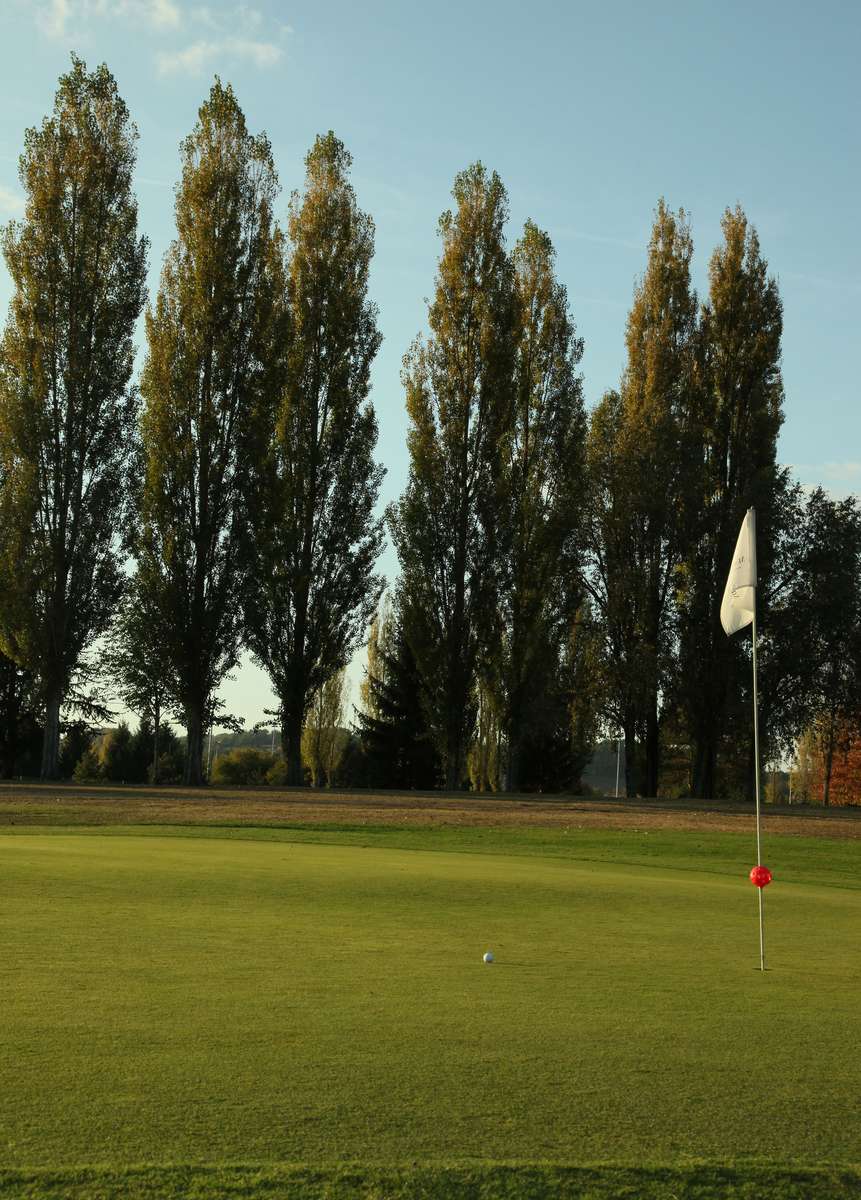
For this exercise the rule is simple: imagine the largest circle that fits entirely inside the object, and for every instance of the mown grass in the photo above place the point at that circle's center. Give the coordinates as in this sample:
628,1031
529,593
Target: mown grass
491,1181
216,996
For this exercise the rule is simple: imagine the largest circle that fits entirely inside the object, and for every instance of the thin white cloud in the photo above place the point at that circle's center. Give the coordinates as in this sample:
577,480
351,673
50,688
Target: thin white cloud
11,202
54,17
194,59
843,470
237,32
189,61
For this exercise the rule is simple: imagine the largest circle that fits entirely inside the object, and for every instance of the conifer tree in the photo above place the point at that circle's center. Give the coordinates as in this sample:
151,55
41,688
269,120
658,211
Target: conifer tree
209,368
392,725
314,539
136,664
67,410
459,392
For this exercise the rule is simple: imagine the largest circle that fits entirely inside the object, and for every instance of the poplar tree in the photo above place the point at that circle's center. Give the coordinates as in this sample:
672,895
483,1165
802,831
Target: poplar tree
459,392
313,537
324,739
208,370
67,410
740,398
652,432
540,501
623,661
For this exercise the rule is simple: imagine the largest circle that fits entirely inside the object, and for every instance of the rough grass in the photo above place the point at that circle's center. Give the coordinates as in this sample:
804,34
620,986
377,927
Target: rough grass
68,804
217,996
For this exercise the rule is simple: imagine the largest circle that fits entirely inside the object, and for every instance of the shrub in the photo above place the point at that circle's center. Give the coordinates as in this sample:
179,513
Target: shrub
242,766
88,768
277,773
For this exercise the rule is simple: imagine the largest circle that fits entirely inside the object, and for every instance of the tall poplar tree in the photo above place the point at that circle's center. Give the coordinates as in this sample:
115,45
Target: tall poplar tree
459,393
740,397
67,410
612,582
642,491
540,498
209,368
313,537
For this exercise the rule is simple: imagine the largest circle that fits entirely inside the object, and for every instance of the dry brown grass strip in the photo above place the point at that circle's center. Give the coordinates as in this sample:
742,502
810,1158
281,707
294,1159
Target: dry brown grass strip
72,804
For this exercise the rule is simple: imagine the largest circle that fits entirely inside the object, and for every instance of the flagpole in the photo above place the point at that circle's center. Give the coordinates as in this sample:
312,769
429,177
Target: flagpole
756,757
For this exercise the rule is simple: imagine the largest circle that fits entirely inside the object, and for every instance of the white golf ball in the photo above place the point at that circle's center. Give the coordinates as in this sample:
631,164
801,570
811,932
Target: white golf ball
488,958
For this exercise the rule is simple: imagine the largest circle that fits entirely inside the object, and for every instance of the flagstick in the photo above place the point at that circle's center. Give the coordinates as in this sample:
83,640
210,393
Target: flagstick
756,755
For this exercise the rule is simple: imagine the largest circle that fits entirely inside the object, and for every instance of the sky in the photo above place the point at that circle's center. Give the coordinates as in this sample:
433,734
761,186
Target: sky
589,112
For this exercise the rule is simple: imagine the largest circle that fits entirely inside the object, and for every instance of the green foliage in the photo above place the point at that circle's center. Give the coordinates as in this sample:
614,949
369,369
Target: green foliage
396,742
313,537
243,766
739,414
89,767
136,663
20,729
459,392
209,348
323,738
67,410
117,755
77,740
540,498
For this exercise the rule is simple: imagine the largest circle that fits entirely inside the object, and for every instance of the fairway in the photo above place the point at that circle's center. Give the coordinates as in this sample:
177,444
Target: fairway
214,999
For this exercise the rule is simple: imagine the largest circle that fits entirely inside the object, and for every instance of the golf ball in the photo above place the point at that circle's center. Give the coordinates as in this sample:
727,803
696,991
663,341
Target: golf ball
488,958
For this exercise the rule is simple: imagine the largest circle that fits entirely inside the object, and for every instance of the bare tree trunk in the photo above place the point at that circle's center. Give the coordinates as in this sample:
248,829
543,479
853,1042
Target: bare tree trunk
156,723
193,775
291,746
51,740
632,773
653,750
829,764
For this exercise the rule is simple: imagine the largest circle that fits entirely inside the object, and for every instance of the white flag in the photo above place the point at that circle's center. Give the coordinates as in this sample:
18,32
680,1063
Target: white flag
736,609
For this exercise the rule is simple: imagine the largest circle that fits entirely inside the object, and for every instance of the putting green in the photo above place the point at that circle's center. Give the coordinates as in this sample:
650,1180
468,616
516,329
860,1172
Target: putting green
202,999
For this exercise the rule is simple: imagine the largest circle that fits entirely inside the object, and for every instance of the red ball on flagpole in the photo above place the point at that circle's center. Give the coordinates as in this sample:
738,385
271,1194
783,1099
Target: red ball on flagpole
760,877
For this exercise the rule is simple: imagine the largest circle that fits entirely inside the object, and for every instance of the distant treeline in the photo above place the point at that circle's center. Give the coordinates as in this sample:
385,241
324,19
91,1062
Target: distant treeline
561,571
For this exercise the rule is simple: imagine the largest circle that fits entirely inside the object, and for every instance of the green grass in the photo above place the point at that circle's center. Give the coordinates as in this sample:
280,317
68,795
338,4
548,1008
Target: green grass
490,1181
217,997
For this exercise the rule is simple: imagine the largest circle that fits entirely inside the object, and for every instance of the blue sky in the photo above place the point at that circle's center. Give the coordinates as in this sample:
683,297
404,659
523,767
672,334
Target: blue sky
589,112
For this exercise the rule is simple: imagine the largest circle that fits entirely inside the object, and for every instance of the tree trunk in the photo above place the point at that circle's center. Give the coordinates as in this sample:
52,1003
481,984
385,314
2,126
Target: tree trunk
193,775
512,767
829,765
632,774
156,723
703,770
291,746
51,740
653,751
452,760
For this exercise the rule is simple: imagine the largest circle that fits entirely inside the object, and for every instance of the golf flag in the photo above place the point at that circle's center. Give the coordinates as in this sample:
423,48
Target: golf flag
737,606
738,609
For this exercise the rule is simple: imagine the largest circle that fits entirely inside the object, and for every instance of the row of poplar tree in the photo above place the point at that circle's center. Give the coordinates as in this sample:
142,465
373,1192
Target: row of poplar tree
560,573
